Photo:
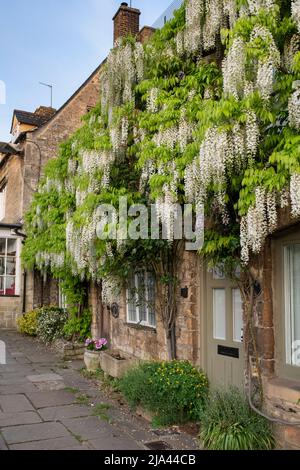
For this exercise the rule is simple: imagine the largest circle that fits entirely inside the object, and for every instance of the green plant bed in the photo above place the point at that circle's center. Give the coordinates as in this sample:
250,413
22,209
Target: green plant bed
173,392
51,323
28,323
228,423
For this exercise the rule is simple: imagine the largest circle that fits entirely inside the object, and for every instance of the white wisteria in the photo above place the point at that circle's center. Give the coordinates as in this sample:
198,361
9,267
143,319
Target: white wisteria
296,12
124,68
260,221
295,194
294,108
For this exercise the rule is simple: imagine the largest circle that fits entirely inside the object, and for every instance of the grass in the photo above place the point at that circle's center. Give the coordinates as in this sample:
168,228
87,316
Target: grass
78,438
72,390
99,411
98,374
83,399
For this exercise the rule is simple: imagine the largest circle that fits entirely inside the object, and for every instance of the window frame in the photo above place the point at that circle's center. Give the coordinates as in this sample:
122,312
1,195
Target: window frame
281,320
17,270
3,194
130,304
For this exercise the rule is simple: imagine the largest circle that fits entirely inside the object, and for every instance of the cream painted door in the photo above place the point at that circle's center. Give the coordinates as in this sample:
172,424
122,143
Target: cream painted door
224,327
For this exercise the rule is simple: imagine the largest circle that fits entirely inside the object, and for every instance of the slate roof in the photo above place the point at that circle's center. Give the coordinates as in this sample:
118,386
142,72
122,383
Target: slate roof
32,119
6,149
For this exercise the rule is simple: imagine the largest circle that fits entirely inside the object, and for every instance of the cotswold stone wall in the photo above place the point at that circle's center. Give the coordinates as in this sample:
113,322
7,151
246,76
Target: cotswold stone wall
281,394
149,343
12,172
10,310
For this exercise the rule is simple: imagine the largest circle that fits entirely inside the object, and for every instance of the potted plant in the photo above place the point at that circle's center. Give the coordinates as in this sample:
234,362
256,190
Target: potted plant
93,349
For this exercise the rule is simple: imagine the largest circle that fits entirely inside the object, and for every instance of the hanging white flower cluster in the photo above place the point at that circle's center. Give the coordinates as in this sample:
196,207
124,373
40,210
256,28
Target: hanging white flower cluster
234,68
46,260
294,109
80,244
296,12
231,11
290,50
255,5
72,167
268,65
125,68
111,290
181,134
119,133
152,106
295,194
185,131
147,172
93,162
204,21
220,153
166,209
53,184
214,16
167,137
260,221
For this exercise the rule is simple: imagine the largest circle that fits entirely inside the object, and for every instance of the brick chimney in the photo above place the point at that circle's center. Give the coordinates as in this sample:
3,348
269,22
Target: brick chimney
126,22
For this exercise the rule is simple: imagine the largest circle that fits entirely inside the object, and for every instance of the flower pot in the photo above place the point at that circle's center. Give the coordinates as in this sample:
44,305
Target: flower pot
92,360
116,363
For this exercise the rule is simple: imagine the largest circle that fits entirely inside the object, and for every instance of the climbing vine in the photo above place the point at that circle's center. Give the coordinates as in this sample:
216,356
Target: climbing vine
206,112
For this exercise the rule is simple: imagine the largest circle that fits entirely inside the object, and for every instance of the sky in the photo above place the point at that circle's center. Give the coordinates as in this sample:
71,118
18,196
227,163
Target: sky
60,42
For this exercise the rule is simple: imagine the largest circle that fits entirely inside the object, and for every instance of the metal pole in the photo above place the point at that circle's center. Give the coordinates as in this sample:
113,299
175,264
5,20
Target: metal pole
51,91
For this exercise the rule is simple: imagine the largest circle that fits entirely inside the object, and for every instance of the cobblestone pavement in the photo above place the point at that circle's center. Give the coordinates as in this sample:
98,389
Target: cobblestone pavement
47,404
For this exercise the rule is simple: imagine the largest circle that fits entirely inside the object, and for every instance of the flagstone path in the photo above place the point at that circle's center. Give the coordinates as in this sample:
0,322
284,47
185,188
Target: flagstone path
47,404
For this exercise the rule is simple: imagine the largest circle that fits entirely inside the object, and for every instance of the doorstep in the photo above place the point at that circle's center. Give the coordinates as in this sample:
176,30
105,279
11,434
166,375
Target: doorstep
284,389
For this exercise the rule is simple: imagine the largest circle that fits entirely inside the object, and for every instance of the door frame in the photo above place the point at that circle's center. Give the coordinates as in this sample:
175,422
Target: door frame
203,322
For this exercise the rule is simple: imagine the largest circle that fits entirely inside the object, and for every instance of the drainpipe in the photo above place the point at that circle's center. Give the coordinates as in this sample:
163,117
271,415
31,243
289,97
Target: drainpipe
23,236
24,290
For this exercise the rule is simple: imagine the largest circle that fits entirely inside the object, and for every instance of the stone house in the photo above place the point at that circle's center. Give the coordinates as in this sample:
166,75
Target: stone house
35,139
212,328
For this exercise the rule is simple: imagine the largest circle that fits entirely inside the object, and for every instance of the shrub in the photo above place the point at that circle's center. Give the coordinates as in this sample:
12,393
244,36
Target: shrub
228,423
28,323
78,328
51,323
173,391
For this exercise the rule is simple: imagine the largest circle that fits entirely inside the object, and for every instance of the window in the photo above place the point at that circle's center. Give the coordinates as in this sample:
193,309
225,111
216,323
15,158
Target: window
292,303
8,254
2,201
62,301
141,299
219,313
238,324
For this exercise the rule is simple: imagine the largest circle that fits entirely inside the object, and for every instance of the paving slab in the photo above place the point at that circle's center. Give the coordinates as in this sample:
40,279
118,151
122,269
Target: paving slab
47,399
54,421
64,412
3,446
17,389
44,378
15,403
88,428
33,432
61,443
115,443
15,419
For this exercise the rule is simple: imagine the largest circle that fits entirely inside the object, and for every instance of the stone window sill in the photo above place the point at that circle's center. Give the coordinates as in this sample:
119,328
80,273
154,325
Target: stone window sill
10,296
285,389
141,327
